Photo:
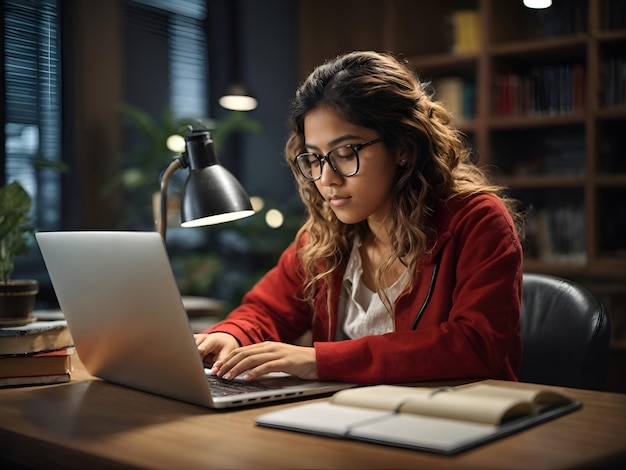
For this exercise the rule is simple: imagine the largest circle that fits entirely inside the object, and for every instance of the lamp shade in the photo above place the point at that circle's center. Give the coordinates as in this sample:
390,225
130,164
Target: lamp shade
211,194
238,98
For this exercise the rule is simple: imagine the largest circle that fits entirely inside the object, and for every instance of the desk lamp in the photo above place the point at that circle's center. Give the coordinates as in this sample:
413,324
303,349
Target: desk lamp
211,195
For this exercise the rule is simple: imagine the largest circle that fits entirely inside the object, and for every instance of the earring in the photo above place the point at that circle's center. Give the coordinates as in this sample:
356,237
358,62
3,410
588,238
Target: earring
403,162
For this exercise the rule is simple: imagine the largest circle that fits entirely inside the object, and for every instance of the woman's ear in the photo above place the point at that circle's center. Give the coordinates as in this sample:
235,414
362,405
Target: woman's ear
401,158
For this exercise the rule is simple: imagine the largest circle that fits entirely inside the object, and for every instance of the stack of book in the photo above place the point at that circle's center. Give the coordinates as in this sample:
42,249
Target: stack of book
36,354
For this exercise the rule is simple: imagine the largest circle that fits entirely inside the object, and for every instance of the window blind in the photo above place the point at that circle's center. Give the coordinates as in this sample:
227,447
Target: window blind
188,58
32,103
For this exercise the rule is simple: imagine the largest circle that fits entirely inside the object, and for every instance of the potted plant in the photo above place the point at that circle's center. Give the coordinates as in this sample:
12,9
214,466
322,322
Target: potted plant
17,297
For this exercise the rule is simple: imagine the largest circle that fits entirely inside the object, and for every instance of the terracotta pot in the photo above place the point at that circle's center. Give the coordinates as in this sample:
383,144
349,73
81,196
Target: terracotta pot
17,301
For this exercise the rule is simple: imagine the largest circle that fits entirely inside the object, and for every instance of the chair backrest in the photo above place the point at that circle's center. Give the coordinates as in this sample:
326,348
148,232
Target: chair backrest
566,333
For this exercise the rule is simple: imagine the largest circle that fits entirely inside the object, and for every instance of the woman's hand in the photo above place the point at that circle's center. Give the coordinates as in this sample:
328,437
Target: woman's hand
262,358
215,347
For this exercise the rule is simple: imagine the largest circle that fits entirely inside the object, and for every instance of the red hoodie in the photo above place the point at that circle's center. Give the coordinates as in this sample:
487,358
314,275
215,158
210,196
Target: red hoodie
469,327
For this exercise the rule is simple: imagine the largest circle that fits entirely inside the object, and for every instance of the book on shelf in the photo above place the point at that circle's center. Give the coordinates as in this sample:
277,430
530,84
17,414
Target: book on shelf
614,14
457,95
465,31
443,420
614,82
548,89
563,18
49,332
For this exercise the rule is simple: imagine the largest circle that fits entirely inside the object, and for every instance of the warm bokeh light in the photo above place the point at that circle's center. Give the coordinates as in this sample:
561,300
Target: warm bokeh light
257,203
238,103
274,218
176,143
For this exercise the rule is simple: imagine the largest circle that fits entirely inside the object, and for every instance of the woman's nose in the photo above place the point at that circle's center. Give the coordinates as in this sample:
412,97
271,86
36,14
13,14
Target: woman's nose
328,176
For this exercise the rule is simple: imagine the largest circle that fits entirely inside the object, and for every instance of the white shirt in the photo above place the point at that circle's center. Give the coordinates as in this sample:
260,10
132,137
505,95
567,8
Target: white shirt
361,311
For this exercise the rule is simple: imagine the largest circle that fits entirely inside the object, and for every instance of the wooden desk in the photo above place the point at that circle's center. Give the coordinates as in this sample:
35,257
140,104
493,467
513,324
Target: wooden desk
89,423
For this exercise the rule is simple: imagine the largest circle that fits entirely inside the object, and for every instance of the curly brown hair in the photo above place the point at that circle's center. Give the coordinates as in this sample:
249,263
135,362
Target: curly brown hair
380,91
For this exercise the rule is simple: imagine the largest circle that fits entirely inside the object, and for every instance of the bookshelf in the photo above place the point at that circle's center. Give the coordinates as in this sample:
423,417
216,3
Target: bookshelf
535,126
548,118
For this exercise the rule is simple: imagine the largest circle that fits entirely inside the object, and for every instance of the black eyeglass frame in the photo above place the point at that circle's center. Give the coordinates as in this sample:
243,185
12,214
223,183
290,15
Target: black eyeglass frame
326,158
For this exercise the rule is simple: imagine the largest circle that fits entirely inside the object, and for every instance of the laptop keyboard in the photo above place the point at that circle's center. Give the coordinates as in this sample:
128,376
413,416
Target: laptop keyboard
224,388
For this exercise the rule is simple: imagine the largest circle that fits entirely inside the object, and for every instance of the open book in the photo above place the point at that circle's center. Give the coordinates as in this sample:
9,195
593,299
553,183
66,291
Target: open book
445,420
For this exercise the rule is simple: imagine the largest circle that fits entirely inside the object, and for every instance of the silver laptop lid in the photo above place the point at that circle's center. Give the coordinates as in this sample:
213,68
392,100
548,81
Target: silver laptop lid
124,310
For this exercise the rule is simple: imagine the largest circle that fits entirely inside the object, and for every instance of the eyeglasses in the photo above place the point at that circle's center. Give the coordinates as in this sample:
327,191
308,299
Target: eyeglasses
344,161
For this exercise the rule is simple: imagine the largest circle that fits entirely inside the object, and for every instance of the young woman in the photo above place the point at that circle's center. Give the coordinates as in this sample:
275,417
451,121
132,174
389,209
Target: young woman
408,267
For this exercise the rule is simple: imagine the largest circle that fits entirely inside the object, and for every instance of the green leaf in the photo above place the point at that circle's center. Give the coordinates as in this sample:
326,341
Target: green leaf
15,231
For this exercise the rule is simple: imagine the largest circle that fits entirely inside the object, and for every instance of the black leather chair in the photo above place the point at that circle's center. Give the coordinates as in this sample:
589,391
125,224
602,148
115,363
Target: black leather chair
565,334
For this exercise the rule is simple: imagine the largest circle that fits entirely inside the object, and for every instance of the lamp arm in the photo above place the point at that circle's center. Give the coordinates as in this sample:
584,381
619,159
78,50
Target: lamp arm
165,179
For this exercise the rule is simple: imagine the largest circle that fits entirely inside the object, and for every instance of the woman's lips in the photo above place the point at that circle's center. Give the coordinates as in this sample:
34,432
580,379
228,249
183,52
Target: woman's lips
338,201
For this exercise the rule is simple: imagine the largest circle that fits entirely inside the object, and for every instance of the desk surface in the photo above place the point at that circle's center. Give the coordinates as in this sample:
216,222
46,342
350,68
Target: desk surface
88,423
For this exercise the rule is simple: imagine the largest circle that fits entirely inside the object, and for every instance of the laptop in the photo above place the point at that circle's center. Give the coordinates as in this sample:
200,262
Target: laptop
125,313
